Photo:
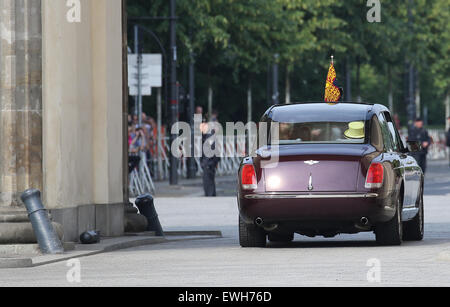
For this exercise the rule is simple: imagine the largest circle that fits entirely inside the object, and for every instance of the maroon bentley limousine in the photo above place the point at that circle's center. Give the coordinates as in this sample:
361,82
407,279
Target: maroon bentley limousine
335,168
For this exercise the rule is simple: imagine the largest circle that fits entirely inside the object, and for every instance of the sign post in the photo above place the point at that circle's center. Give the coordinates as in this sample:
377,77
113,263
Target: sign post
144,72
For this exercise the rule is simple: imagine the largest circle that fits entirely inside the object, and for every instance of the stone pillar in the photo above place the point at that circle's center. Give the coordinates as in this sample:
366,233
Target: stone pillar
20,113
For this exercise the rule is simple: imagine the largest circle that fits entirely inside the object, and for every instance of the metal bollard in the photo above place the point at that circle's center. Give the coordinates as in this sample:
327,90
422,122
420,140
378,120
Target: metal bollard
146,207
46,236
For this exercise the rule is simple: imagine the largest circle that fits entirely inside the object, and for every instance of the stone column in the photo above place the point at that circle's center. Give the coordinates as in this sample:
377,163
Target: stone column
20,114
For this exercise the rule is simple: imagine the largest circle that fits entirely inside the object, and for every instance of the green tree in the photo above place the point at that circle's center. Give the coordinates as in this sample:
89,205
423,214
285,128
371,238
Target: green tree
234,42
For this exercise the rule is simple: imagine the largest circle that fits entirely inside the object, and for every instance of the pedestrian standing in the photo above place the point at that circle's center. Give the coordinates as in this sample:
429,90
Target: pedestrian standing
198,126
448,140
419,134
199,110
208,163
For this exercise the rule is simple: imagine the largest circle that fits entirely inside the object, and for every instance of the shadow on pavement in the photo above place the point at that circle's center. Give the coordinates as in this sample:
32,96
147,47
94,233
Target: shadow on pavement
322,244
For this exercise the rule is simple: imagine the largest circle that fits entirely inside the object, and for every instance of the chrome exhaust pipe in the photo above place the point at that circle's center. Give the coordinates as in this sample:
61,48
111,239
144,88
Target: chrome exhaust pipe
267,227
259,221
364,221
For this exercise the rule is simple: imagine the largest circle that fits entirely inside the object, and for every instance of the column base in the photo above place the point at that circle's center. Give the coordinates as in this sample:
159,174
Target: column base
16,228
133,221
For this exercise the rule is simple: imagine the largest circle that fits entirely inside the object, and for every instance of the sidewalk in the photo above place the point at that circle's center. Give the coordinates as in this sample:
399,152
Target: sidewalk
30,256
225,186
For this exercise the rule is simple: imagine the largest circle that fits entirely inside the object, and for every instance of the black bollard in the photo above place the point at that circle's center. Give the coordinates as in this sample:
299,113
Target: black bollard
147,208
90,237
46,236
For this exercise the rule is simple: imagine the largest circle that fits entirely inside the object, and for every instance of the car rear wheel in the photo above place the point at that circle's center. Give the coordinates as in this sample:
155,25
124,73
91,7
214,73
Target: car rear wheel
413,230
276,237
391,233
250,235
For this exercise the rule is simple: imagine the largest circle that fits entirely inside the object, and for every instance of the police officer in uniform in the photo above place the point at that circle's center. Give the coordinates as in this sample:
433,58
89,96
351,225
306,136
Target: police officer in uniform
419,134
209,164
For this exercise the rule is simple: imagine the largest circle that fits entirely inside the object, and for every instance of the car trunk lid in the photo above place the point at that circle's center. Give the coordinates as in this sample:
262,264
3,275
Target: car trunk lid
310,170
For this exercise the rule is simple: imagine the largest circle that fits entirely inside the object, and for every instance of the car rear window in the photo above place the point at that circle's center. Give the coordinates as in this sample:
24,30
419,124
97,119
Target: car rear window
320,124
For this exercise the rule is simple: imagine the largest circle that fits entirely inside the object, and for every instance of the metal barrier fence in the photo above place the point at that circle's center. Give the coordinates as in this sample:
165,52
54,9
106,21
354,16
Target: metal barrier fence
233,152
438,149
158,166
140,179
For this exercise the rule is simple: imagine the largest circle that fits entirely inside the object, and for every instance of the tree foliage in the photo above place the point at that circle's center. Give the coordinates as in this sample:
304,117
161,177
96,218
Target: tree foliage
234,40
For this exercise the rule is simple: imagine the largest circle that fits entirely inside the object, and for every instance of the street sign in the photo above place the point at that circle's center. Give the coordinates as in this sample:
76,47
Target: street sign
151,73
145,91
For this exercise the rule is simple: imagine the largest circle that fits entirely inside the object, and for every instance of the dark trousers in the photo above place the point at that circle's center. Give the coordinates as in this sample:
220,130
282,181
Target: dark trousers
133,162
209,181
421,159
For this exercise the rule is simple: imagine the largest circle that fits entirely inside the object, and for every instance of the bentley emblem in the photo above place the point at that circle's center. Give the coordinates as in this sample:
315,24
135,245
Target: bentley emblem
310,185
311,162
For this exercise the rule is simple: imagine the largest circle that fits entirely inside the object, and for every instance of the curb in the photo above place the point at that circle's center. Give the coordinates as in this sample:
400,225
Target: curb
6,250
115,244
6,263
194,233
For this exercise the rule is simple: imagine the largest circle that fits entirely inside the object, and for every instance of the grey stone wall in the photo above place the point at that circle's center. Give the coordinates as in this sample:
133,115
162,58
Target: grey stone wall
108,219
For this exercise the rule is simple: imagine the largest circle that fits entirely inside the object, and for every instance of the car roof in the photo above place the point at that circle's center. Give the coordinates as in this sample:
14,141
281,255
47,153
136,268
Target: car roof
348,107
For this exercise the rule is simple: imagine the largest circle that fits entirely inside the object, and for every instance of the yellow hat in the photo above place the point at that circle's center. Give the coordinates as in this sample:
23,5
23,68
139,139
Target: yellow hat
355,131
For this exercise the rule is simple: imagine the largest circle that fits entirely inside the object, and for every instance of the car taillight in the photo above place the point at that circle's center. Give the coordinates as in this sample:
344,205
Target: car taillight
248,177
374,177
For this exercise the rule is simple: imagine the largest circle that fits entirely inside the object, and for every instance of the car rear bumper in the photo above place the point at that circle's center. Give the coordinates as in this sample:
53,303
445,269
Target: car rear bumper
309,196
297,207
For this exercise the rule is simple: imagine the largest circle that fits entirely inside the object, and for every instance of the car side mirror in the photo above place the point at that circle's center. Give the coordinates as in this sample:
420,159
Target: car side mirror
414,146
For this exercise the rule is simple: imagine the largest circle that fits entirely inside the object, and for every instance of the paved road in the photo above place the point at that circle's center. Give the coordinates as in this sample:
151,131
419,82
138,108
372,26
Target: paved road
225,186
341,261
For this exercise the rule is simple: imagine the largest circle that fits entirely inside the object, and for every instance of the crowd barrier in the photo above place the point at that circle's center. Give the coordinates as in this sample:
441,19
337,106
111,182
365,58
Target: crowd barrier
158,166
438,149
233,152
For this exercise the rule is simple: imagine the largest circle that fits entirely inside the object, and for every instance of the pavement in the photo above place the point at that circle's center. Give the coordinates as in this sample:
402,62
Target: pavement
29,255
346,260
225,186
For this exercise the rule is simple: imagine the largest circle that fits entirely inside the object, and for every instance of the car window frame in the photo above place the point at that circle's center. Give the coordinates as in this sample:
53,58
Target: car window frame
388,140
397,139
375,127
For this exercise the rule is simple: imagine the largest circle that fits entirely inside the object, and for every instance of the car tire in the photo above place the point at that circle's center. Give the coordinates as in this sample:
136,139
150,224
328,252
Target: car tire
282,238
391,233
250,235
413,230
